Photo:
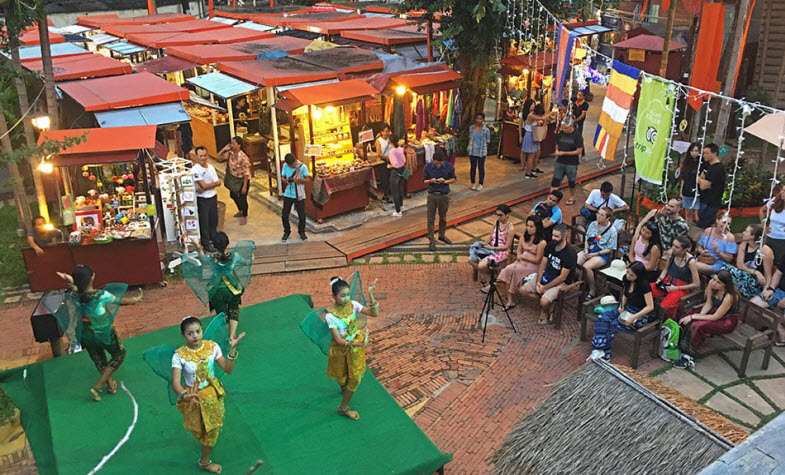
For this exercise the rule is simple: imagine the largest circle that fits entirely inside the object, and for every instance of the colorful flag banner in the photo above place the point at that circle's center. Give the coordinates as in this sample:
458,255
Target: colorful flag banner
653,128
615,108
566,43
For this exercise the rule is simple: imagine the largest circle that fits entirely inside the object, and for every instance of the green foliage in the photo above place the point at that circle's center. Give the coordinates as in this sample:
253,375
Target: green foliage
50,147
12,272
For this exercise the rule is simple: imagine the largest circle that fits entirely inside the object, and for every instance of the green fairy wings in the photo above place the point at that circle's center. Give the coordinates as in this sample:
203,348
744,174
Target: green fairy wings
159,358
204,273
94,312
314,325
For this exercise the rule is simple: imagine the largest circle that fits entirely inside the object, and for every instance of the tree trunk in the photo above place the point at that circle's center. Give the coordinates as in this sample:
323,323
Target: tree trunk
24,104
473,90
17,184
46,60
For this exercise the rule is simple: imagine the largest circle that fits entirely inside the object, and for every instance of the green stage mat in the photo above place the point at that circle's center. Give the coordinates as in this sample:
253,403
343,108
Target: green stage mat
280,407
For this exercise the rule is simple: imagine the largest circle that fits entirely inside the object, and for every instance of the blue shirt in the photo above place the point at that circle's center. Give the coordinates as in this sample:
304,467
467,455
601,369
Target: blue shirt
295,192
446,171
478,141
541,209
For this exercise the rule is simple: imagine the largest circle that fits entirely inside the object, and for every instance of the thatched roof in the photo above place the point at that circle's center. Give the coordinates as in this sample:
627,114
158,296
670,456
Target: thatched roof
599,420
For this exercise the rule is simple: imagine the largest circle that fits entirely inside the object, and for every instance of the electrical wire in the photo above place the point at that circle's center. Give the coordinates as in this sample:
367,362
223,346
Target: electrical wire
27,112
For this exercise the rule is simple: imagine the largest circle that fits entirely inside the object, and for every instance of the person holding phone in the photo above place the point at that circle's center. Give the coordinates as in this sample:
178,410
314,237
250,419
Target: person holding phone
438,176
293,176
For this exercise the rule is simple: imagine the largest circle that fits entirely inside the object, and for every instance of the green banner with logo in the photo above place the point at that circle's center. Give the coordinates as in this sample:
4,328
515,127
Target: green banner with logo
653,128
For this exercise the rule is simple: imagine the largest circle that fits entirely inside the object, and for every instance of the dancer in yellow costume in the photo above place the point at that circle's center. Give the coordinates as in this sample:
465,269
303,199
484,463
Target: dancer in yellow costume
201,400
346,357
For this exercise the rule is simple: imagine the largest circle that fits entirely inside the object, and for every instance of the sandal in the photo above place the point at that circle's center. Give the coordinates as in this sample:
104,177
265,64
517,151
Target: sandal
351,414
210,467
95,395
111,386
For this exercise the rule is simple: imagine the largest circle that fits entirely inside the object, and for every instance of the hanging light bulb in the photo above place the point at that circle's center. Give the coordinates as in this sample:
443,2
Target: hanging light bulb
46,167
400,90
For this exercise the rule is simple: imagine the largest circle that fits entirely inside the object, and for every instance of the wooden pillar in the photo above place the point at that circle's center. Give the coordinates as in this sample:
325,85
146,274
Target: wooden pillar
151,10
231,118
310,139
276,138
429,39
668,35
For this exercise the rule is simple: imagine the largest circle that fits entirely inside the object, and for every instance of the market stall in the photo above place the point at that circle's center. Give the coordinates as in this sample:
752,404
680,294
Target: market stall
58,50
106,193
320,123
246,51
645,53
173,69
424,97
132,99
524,77
228,107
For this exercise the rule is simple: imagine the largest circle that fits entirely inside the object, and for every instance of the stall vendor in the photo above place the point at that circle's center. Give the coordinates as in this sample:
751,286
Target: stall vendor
43,235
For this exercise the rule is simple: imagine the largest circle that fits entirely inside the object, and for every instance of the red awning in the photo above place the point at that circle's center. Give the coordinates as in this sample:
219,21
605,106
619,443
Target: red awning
229,35
154,40
649,43
352,89
131,90
69,68
167,64
388,37
424,79
30,37
308,67
362,23
191,26
104,19
245,51
114,144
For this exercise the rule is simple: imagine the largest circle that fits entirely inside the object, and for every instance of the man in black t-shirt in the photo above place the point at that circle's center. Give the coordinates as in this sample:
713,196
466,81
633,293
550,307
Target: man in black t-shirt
569,147
711,182
556,269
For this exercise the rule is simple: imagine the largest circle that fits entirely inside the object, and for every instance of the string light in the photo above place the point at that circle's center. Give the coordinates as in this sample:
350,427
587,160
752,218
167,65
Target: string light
668,159
704,128
774,182
745,112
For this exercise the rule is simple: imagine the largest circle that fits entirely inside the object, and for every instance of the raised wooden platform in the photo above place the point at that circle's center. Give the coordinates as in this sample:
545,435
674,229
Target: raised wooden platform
383,233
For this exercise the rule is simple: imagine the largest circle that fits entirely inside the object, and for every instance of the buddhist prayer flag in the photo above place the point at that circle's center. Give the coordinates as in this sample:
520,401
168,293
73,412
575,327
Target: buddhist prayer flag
615,108
653,128
565,43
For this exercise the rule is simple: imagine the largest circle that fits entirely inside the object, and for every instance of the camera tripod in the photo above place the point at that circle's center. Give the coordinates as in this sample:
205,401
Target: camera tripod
490,302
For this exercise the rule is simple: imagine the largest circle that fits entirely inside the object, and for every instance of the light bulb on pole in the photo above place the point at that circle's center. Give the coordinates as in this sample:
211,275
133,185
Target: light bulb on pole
46,167
42,122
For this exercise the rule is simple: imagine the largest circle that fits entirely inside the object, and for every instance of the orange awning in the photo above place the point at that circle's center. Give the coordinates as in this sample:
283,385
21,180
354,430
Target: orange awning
279,72
419,80
118,92
191,26
30,37
245,51
362,23
103,19
352,89
68,68
114,144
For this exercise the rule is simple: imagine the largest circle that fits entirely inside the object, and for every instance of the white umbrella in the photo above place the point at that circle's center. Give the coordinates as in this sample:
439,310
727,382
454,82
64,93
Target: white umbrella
770,128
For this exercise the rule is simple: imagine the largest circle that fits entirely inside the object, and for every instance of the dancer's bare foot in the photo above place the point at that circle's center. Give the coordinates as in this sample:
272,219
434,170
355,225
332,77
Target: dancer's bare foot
209,466
111,386
94,395
351,414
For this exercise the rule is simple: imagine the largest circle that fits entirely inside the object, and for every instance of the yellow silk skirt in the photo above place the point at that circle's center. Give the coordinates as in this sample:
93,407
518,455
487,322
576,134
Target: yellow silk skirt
205,418
346,365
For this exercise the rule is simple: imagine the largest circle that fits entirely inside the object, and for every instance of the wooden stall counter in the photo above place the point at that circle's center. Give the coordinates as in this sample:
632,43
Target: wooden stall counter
337,194
213,137
133,261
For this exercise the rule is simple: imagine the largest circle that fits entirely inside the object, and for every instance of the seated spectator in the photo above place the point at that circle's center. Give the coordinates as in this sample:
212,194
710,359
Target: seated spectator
556,270
647,249
531,249
715,317
678,278
601,243
549,213
716,246
669,222
637,309
754,263
604,197
498,246
43,235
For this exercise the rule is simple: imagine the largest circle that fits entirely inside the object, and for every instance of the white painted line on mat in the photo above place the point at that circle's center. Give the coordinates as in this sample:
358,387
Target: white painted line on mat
125,437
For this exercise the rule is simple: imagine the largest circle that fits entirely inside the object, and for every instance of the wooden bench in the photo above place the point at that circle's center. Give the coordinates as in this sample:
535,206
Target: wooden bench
755,331
571,293
511,257
637,337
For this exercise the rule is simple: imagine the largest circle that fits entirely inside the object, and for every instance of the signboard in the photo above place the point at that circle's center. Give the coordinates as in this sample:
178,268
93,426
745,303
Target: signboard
313,150
637,55
365,136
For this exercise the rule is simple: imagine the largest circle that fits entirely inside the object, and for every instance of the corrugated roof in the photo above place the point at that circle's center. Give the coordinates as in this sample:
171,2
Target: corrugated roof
29,53
124,48
222,85
159,114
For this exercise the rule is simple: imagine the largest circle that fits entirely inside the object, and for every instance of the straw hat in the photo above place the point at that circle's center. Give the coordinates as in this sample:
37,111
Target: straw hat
608,300
616,270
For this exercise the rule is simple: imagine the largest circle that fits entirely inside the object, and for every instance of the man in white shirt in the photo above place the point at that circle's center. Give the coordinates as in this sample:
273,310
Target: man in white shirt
604,197
206,179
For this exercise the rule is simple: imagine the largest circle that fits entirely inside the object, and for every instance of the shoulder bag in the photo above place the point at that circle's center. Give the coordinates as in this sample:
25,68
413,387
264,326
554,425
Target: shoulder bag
233,183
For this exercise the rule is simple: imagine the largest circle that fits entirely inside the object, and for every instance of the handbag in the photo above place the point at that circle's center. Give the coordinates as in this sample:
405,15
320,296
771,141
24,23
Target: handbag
539,133
233,183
